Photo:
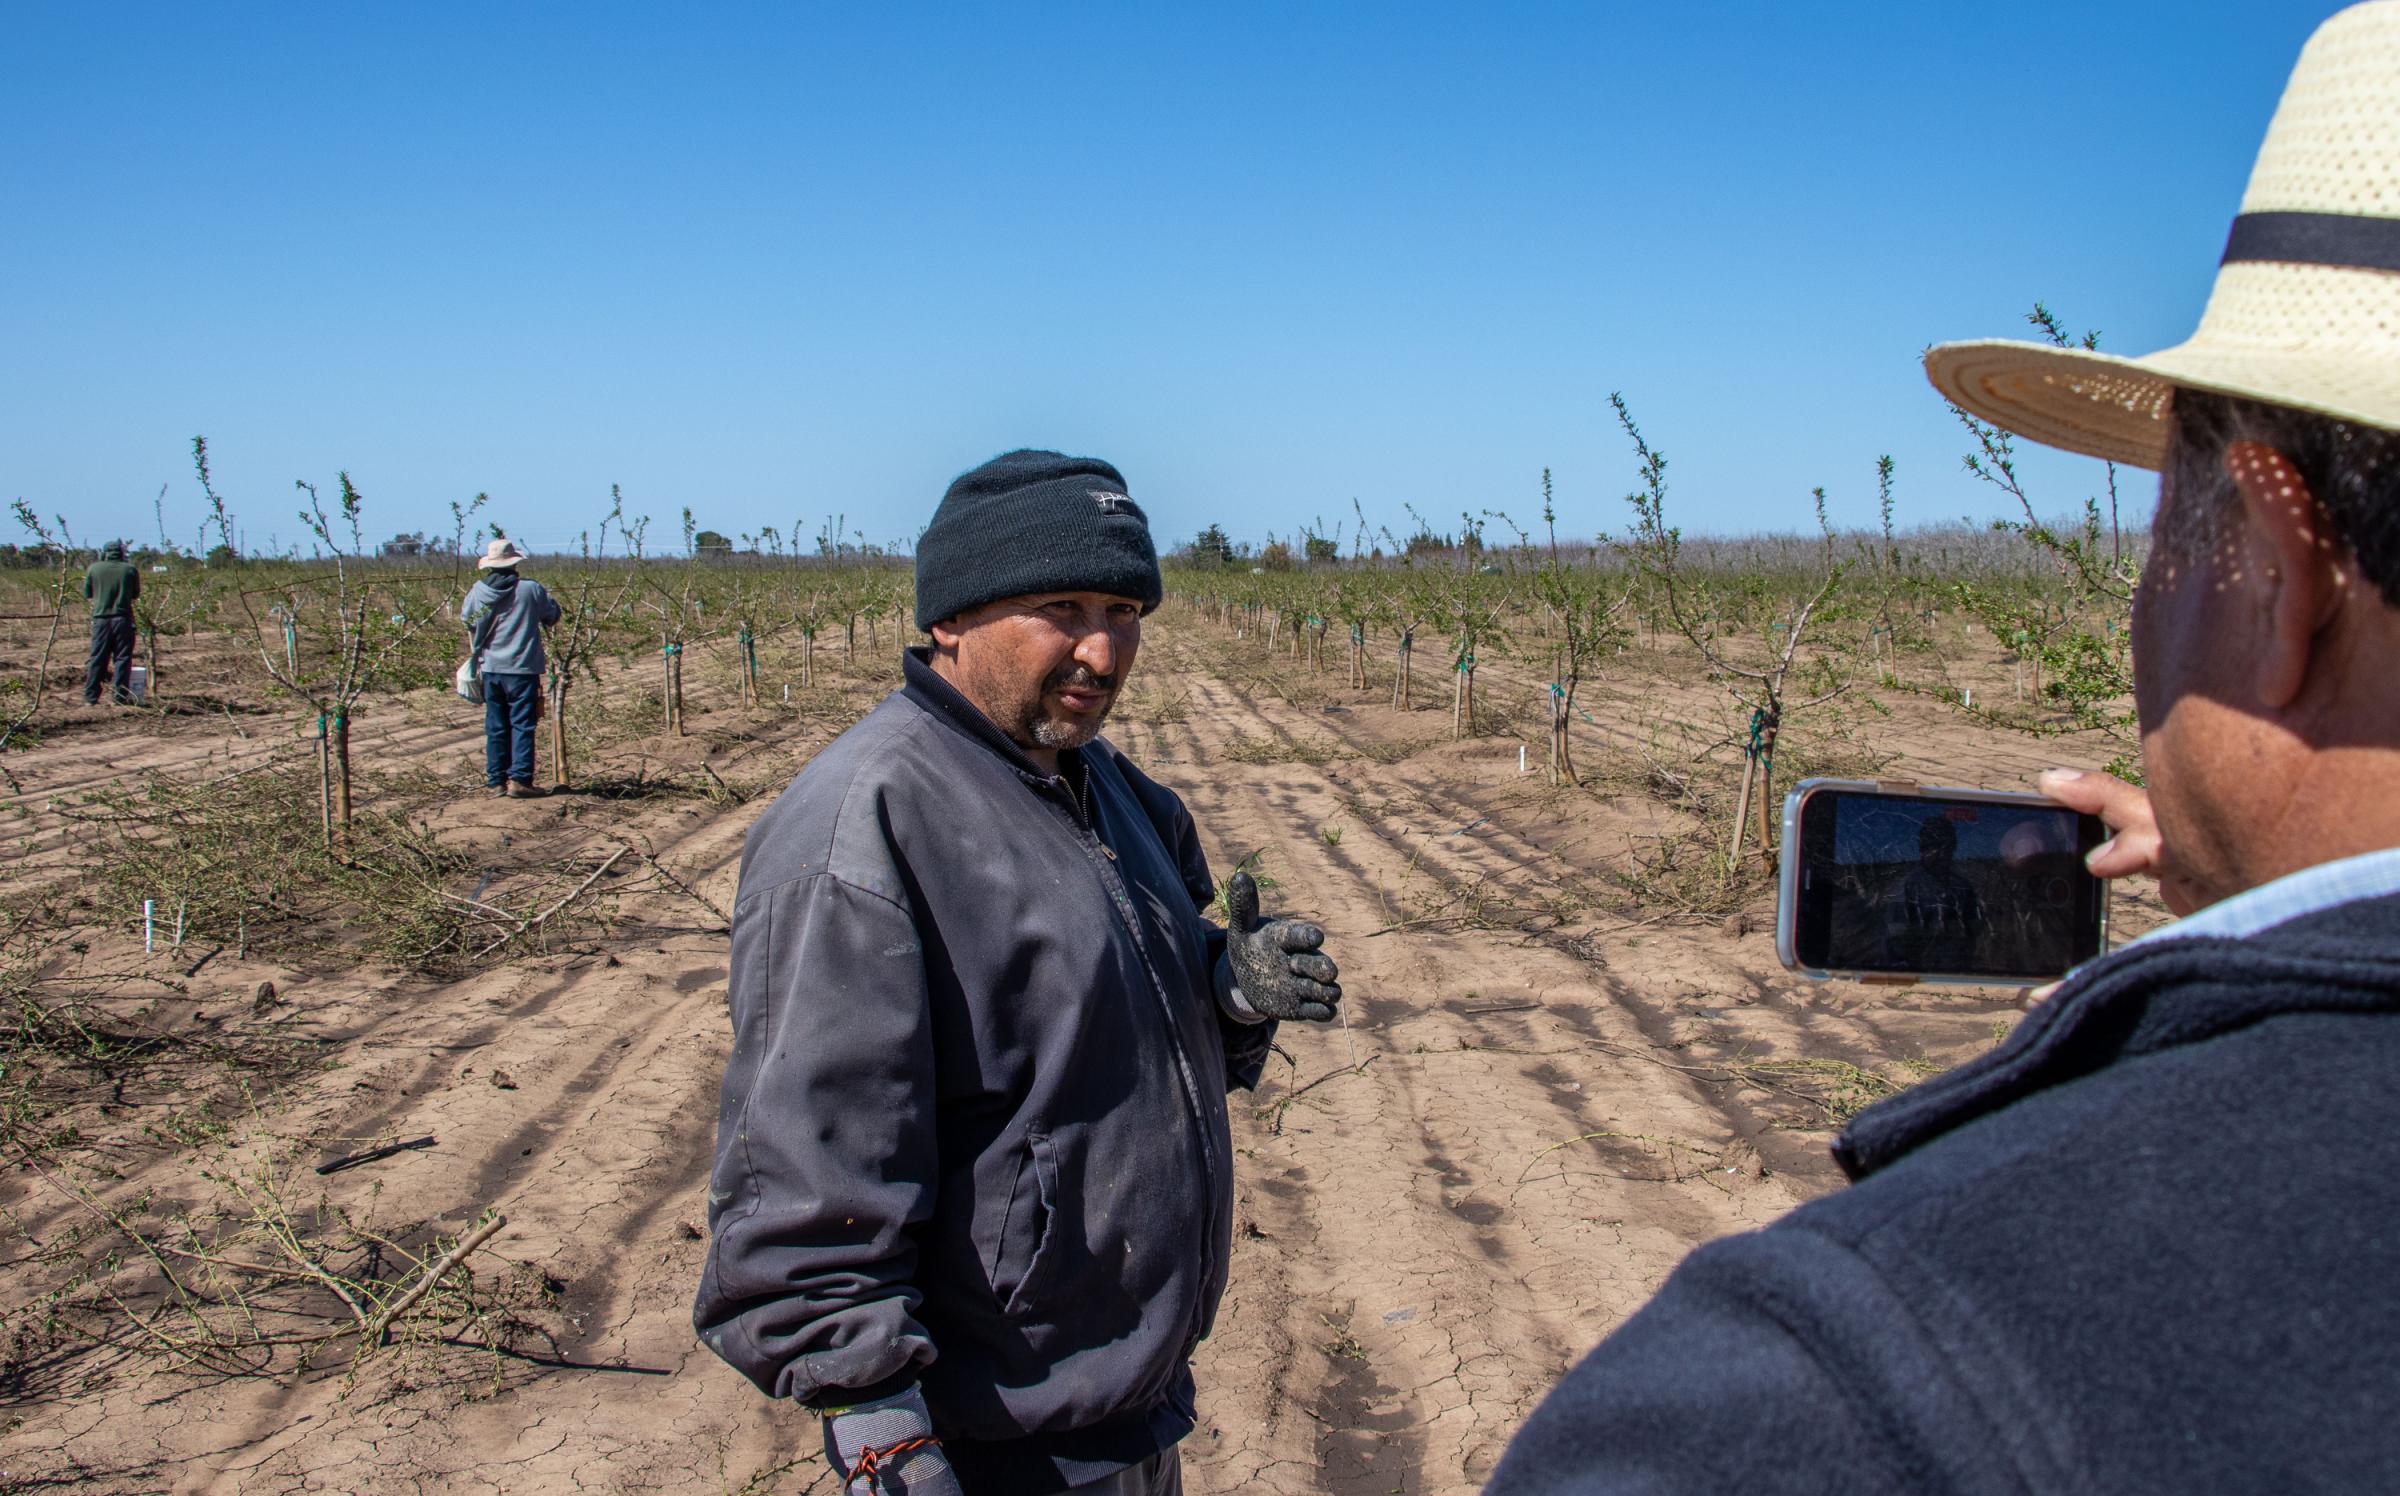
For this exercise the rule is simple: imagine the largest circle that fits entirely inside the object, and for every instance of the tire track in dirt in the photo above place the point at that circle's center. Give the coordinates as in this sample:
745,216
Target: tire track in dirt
1437,1281
1731,1000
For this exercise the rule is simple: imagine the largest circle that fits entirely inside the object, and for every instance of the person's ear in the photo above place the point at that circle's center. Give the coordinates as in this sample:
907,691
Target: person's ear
946,635
2301,577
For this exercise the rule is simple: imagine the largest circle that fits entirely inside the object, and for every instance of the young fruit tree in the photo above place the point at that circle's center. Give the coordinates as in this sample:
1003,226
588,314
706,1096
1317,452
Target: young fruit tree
58,546
1584,608
1762,684
341,633
2076,636
598,596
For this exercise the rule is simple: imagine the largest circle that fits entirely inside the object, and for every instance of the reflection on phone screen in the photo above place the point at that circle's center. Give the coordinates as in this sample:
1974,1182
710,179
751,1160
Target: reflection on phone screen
1953,886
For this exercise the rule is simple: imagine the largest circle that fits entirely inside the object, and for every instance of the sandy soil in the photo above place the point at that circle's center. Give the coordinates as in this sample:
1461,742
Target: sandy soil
1545,1096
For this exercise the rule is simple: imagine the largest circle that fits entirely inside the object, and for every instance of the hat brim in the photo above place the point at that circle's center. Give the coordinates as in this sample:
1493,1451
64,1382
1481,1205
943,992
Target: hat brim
2119,409
492,563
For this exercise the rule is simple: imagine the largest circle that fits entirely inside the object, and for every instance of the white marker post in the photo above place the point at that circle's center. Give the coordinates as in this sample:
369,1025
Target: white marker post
1520,758
149,908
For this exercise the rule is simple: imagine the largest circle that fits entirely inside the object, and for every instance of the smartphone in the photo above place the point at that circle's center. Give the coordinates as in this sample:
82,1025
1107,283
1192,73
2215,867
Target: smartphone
1886,880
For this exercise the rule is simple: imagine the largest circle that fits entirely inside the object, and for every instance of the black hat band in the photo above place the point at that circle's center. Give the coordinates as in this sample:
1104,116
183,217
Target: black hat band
2348,241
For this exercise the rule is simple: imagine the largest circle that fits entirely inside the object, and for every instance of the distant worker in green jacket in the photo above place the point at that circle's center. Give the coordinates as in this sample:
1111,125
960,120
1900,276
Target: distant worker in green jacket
112,584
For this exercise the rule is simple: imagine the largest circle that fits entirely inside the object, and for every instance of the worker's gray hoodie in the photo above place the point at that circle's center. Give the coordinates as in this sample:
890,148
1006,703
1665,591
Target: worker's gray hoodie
520,608
973,1129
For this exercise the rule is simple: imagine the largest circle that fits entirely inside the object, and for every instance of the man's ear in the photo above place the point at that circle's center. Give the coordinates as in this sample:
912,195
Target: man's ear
946,634
2302,576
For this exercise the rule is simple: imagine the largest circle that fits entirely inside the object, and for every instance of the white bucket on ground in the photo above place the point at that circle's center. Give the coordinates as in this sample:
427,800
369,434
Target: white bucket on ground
137,684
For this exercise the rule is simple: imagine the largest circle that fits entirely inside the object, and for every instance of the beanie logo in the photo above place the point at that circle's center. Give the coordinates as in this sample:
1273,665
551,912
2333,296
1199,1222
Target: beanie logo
1113,503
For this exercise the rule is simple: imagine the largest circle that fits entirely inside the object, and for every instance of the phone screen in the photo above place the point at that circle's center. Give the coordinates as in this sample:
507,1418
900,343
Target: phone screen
1919,883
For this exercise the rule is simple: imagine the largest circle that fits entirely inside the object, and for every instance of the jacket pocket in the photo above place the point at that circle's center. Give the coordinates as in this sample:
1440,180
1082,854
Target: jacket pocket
1029,1236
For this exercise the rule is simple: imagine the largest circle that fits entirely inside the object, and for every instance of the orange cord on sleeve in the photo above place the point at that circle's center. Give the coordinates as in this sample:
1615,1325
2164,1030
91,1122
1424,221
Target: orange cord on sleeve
871,1461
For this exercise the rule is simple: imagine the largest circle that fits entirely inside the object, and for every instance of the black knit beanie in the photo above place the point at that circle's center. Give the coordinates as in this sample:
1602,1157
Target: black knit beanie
1034,522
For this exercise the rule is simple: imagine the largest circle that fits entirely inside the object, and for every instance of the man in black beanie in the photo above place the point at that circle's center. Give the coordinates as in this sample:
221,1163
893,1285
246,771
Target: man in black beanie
973,1188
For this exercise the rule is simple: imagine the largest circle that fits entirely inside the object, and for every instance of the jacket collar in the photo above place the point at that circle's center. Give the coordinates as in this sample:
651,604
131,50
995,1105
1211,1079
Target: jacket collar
944,700
2149,997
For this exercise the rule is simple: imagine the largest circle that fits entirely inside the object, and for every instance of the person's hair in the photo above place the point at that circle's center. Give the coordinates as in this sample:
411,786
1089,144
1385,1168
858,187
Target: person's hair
1936,834
2352,471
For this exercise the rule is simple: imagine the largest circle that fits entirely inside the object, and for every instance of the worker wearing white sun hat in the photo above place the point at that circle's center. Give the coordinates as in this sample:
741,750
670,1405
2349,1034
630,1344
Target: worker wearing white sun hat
2146,1244
505,614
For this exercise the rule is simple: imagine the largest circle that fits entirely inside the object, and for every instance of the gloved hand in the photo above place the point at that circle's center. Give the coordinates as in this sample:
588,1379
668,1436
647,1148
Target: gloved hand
887,1448
1276,963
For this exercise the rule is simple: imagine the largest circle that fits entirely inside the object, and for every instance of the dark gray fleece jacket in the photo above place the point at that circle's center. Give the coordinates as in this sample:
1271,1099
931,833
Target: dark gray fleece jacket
2149,1244
973,1131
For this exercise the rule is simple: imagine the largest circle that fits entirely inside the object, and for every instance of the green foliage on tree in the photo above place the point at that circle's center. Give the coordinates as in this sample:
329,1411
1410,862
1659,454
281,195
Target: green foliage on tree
1210,548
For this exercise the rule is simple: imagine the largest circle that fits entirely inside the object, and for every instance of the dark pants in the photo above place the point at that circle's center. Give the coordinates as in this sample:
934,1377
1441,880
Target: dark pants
112,650
512,708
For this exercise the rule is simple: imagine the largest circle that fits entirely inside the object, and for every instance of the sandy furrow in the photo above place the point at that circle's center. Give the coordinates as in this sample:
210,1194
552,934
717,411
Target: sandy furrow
1441,1267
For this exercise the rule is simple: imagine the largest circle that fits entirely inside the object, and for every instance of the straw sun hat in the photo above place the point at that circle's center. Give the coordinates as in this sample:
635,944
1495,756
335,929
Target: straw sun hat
2306,310
501,552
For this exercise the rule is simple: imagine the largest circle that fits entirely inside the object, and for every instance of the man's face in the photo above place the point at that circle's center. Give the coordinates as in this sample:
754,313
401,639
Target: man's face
1045,667
2211,765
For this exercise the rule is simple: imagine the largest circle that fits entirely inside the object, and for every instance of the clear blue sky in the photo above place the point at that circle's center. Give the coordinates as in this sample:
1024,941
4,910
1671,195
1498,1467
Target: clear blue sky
778,263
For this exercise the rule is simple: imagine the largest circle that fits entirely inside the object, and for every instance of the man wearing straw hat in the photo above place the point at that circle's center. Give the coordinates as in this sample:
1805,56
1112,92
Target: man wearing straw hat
2150,1242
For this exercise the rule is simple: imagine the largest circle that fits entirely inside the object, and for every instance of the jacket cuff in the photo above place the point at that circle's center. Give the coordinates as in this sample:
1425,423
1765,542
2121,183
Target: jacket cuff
1229,996
832,1400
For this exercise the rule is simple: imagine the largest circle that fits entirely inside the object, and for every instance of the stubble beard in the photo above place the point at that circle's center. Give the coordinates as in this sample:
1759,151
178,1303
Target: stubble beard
1037,726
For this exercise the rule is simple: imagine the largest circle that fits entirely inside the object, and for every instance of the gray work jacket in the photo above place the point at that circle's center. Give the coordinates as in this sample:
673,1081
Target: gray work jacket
973,1130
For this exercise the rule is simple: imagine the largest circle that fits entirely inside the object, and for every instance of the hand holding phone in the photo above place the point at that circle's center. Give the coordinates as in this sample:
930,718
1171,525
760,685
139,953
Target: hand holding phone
2134,846
1886,879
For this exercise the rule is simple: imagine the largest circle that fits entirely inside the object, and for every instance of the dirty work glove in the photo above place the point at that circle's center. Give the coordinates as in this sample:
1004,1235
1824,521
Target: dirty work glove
887,1446
1274,967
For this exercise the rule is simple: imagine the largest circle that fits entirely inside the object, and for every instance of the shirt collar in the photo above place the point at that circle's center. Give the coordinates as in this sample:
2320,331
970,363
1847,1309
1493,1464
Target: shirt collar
2368,875
926,687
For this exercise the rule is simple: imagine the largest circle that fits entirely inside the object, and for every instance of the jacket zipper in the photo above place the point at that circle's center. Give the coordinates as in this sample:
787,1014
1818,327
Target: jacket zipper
1089,826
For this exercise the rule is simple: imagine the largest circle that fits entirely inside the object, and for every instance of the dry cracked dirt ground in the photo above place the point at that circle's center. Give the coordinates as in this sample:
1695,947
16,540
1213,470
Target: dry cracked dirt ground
1546,1093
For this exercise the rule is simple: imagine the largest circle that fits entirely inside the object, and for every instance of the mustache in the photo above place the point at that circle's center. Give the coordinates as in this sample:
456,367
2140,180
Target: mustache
1082,677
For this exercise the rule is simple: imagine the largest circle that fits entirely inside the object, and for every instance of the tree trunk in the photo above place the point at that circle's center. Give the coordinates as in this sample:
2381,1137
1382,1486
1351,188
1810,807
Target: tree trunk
1767,850
1741,815
341,765
1402,694
1562,755
558,730
672,688
808,658
325,783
